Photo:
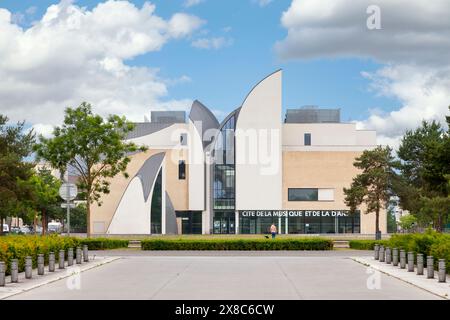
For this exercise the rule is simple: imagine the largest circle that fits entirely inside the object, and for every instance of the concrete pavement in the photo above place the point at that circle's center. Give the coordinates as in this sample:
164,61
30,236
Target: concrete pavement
330,276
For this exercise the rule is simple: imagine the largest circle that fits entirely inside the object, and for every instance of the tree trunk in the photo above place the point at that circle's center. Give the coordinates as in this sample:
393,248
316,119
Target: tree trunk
1,226
377,222
88,217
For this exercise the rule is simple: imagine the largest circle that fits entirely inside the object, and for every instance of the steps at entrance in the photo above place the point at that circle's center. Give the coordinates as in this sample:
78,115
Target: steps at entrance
341,244
134,244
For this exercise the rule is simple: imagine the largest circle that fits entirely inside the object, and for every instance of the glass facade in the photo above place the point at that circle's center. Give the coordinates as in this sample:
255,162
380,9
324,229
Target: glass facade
301,225
156,207
224,179
191,221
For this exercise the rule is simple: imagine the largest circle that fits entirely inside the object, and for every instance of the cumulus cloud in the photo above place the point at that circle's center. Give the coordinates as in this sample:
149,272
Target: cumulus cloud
212,43
413,44
73,54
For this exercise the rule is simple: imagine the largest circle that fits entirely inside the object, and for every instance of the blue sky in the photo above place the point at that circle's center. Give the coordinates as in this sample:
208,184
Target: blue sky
384,79
221,78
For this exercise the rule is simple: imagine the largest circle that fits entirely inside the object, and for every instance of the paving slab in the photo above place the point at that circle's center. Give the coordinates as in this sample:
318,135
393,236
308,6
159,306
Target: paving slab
420,281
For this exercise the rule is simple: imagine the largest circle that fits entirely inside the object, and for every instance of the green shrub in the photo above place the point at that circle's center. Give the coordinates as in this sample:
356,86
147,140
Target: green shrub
237,244
104,243
429,243
21,246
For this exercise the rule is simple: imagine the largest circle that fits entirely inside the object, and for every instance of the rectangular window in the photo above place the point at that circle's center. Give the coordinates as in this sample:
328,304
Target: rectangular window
303,194
183,139
181,170
307,139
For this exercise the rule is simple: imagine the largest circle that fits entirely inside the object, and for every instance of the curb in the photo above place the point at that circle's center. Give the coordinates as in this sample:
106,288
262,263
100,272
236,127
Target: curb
439,289
12,289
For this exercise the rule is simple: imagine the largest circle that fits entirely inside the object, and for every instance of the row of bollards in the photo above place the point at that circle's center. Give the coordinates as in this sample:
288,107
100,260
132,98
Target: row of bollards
407,261
79,255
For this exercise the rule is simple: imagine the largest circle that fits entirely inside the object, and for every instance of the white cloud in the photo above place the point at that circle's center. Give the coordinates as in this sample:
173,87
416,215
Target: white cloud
191,3
413,44
73,54
212,43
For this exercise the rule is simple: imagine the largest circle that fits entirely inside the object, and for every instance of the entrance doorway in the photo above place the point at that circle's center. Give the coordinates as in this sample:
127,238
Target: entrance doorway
224,222
189,222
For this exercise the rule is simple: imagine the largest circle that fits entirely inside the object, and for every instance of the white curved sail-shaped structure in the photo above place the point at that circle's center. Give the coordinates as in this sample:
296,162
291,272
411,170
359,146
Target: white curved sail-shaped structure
258,147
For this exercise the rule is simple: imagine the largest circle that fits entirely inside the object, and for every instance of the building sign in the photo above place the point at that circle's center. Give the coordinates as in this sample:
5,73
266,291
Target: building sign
294,213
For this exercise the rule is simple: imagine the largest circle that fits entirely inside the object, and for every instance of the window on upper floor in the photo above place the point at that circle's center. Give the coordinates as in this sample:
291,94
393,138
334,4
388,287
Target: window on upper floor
181,170
307,139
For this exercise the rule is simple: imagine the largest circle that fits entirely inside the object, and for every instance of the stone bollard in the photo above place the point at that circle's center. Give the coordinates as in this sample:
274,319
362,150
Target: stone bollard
376,251
51,262
28,267
61,259
381,254
420,264
430,267
2,273
388,256
14,270
395,257
85,253
402,259
78,255
70,257
441,270
410,261
40,264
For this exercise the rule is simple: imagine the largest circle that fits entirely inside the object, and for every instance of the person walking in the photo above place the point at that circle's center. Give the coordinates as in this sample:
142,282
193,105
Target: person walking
273,230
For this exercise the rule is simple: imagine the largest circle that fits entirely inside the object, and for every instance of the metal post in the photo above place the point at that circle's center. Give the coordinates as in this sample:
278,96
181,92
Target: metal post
68,204
410,261
69,256
28,267
51,262
402,259
441,270
78,255
40,263
14,270
388,256
61,259
430,267
85,253
395,257
381,254
420,264
376,251
2,273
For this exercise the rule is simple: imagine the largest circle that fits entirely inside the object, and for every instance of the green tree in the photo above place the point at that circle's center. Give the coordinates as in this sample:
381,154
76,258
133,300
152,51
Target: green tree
91,146
46,190
15,145
407,222
373,186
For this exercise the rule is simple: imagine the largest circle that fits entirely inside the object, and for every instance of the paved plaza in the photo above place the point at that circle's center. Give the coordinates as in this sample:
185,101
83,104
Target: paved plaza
229,275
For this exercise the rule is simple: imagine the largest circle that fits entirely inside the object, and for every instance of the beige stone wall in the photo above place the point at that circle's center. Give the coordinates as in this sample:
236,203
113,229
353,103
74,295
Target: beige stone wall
177,189
323,170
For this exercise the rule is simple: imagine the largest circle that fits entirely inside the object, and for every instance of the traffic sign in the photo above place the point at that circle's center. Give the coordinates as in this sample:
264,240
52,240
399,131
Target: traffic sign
68,191
71,205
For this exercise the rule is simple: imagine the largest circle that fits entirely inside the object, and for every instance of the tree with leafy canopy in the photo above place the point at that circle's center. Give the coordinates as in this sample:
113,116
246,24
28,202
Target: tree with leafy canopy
46,189
373,186
93,147
424,155
15,145
407,222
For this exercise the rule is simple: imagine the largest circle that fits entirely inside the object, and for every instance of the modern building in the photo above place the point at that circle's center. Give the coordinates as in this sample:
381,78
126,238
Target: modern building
200,176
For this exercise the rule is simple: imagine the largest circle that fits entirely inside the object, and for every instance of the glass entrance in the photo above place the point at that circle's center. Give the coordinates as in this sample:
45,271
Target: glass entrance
224,223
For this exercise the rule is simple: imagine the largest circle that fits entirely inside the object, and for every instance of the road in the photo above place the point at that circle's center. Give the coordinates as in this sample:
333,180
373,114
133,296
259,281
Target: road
213,275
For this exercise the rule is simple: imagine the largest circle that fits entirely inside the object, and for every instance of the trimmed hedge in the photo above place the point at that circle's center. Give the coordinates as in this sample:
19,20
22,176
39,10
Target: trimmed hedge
237,244
429,243
20,246
104,243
